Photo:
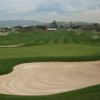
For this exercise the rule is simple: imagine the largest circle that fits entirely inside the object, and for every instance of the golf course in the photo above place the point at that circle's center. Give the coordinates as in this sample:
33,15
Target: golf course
50,65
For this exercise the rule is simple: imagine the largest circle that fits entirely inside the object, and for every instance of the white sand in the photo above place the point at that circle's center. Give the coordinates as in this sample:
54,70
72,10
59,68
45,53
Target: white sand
10,46
4,33
47,78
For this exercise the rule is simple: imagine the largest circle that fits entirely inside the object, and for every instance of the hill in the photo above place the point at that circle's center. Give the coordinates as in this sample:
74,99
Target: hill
4,23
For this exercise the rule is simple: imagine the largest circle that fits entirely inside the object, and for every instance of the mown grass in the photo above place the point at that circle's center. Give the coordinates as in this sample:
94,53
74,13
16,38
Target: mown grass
50,46
51,50
58,37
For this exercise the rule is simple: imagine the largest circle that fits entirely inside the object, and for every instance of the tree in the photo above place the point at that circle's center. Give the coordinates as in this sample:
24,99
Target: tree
54,24
43,27
96,26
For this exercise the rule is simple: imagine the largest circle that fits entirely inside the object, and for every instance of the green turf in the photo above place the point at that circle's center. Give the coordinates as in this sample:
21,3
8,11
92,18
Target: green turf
50,46
58,50
58,37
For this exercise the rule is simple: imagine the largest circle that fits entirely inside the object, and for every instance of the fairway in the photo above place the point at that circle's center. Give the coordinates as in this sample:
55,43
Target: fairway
57,49
49,37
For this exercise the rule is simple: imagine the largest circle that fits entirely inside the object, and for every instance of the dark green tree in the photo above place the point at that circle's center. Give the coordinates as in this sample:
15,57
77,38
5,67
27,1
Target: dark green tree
54,24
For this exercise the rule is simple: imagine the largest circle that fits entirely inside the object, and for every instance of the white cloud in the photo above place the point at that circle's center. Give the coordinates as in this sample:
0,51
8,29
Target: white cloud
50,9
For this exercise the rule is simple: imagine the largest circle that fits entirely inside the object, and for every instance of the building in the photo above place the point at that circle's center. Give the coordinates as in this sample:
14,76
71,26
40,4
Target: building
51,29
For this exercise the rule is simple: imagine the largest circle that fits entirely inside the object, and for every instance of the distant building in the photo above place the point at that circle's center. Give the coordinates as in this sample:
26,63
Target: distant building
51,29
92,27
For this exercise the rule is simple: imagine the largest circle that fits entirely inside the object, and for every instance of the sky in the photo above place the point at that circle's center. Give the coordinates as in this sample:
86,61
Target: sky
48,10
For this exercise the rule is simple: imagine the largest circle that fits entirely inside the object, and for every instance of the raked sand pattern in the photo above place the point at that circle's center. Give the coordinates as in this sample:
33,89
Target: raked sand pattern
46,78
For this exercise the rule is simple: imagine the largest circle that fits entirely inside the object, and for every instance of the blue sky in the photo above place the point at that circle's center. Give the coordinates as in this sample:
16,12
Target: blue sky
48,10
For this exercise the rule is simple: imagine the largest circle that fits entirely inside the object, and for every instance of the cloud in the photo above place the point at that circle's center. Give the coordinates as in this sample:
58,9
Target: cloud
49,9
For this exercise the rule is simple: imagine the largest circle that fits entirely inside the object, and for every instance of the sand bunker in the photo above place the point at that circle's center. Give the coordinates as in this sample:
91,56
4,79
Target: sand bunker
4,33
47,78
10,46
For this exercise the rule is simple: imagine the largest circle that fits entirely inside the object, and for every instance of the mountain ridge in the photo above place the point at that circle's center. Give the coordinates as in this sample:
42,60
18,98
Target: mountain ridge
4,23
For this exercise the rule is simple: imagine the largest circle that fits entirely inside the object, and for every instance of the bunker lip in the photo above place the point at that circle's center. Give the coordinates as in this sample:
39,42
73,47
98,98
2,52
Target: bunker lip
46,78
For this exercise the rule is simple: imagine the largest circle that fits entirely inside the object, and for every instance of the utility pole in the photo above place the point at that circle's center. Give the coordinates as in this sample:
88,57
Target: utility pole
71,25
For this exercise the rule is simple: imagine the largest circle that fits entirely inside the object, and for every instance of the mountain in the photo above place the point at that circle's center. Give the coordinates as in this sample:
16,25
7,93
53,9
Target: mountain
4,23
